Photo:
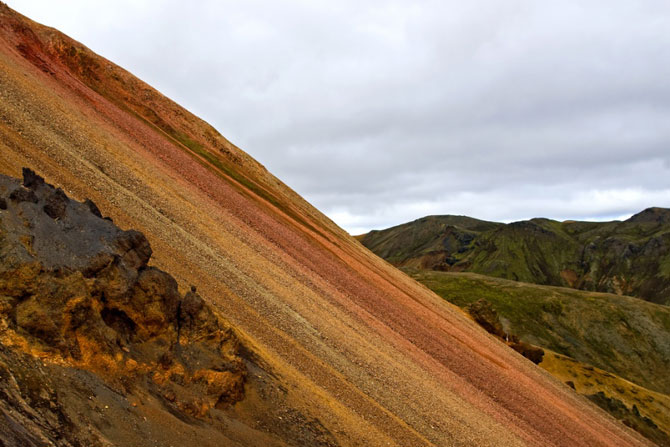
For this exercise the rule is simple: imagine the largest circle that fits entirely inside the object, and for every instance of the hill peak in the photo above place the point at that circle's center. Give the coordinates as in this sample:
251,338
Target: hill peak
579,254
653,214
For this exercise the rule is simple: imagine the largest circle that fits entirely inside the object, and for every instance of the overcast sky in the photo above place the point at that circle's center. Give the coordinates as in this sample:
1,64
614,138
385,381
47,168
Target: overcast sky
381,112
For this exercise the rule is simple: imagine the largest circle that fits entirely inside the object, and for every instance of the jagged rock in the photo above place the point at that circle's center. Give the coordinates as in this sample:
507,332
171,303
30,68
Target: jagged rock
532,353
56,204
21,194
31,180
135,248
93,207
484,314
190,307
76,290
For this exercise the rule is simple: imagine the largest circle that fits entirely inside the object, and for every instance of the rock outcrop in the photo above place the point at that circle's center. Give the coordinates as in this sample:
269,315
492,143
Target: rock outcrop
76,291
486,316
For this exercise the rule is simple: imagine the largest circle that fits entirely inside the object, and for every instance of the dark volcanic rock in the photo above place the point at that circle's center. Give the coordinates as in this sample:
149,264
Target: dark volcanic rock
135,248
93,207
23,195
76,291
56,204
31,179
64,234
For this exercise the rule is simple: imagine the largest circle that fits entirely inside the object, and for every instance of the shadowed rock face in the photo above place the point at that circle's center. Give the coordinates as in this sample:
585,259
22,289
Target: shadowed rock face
485,315
76,291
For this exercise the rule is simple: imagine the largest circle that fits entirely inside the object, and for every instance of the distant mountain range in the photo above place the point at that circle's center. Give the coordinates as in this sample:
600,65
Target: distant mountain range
630,257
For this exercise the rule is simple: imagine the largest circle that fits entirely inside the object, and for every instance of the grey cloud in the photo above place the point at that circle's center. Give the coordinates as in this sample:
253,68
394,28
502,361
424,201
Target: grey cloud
378,111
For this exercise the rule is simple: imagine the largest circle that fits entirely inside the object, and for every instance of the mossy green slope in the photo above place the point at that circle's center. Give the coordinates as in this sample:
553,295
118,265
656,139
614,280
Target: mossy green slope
627,258
620,334
416,241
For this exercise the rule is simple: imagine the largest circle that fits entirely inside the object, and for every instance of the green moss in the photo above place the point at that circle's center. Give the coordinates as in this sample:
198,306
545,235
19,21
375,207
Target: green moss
664,267
554,307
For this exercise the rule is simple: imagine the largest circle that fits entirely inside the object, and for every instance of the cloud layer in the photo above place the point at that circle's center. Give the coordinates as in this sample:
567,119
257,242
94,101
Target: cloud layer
382,112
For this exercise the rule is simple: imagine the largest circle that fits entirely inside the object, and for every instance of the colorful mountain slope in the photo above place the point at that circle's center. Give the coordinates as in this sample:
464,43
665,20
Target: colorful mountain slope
627,258
357,352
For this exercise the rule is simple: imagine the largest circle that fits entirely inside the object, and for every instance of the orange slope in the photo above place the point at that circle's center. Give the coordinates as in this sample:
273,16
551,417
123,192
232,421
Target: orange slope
373,356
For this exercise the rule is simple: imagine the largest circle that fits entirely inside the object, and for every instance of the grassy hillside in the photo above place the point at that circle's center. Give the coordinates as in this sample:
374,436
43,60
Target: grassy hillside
627,258
620,334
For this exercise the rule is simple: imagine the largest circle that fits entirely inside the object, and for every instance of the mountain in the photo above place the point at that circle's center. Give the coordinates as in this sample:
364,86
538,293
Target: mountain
333,346
627,258
625,338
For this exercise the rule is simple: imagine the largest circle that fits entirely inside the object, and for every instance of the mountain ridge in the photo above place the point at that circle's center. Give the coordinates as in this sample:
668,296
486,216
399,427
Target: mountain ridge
594,256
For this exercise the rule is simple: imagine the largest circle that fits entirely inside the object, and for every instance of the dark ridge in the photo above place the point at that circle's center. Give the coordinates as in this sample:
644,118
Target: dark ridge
625,258
655,214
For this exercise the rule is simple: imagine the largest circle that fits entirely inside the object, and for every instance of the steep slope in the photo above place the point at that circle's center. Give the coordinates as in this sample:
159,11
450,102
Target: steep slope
626,258
362,354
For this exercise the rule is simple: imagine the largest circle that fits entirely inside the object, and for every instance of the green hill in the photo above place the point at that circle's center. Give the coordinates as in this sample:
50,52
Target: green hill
614,350
625,258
